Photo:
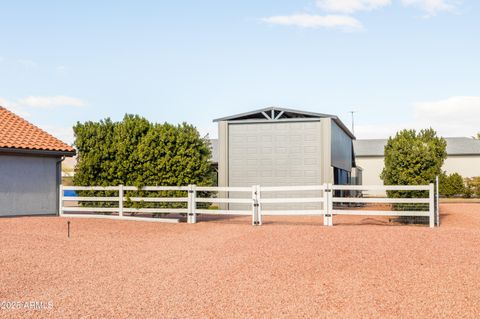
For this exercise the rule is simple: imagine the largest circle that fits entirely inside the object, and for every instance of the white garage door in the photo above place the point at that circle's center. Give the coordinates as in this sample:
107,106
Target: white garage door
275,154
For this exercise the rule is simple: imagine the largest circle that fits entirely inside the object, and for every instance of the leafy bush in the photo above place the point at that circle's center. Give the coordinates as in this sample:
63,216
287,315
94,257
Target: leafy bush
472,186
452,185
413,158
135,152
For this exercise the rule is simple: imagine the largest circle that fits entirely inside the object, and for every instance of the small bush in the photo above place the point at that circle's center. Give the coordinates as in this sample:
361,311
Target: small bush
473,186
452,185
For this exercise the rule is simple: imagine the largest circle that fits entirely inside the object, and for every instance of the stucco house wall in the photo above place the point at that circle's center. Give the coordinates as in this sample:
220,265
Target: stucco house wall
30,167
372,168
29,185
467,166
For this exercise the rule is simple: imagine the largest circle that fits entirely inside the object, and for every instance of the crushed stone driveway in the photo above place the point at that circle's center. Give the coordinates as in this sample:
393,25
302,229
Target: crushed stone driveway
226,268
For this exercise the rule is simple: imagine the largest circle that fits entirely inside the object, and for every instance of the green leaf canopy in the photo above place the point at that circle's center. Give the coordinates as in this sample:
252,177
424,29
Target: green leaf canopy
414,158
139,153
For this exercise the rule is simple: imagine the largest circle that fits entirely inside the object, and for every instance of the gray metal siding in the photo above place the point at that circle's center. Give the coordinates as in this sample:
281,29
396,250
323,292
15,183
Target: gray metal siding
341,149
28,185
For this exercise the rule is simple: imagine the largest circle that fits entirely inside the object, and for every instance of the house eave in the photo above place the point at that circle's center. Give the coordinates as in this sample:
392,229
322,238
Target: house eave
32,152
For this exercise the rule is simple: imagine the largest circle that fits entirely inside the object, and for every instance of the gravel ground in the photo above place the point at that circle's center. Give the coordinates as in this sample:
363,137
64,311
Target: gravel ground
361,268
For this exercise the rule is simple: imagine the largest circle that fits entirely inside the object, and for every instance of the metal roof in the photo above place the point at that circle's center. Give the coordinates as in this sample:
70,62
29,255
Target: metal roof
455,146
274,113
266,112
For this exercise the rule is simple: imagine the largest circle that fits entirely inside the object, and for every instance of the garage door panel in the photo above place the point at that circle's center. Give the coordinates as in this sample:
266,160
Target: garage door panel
282,154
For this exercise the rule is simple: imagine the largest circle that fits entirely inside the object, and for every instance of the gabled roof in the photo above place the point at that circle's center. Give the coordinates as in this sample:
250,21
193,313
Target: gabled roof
455,146
16,134
274,113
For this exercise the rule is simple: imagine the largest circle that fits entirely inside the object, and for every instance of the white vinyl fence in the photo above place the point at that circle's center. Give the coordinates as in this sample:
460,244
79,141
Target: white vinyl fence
190,201
350,201
113,207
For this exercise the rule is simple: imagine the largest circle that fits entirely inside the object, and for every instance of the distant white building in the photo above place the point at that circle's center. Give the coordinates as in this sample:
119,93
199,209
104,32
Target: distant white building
463,158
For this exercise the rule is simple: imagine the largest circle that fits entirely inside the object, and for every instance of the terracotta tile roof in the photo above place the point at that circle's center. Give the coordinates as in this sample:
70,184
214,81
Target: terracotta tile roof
17,133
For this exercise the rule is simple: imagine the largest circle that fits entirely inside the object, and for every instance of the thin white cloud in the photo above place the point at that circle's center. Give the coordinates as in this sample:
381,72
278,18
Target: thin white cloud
343,22
432,7
50,101
452,117
343,11
25,106
28,64
351,6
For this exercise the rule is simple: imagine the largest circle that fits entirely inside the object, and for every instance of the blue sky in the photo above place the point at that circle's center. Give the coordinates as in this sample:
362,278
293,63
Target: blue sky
398,63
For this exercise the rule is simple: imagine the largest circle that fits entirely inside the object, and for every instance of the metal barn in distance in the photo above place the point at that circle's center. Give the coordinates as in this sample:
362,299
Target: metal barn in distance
284,147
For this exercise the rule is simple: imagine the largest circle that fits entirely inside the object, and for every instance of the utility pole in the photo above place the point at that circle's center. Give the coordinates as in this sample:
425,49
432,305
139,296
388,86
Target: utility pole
353,121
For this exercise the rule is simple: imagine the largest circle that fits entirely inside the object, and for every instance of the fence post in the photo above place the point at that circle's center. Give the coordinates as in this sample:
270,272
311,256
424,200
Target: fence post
255,205
325,205
194,204
60,201
192,195
330,205
437,198
431,193
120,200
259,206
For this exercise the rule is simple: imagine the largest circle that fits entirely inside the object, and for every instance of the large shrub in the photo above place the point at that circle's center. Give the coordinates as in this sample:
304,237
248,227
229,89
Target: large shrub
413,158
452,185
135,152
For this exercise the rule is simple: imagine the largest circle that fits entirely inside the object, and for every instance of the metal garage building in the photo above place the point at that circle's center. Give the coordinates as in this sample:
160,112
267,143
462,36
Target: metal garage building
283,147
30,167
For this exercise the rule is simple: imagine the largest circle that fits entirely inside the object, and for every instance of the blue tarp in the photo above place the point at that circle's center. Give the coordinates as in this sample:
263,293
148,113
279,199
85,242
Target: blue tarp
70,193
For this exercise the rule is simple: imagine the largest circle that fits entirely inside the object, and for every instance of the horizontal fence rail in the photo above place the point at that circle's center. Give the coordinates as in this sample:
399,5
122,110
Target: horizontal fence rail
319,198
257,201
352,194
120,211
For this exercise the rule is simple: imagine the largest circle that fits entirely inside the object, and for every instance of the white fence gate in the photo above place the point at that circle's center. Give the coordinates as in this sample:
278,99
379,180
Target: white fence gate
330,200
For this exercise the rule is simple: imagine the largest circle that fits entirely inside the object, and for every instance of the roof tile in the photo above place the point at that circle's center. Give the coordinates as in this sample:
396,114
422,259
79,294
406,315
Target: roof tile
17,133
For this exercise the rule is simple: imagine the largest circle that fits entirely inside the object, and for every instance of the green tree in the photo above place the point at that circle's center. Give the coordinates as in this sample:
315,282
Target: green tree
452,185
173,155
135,152
413,158
96,153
